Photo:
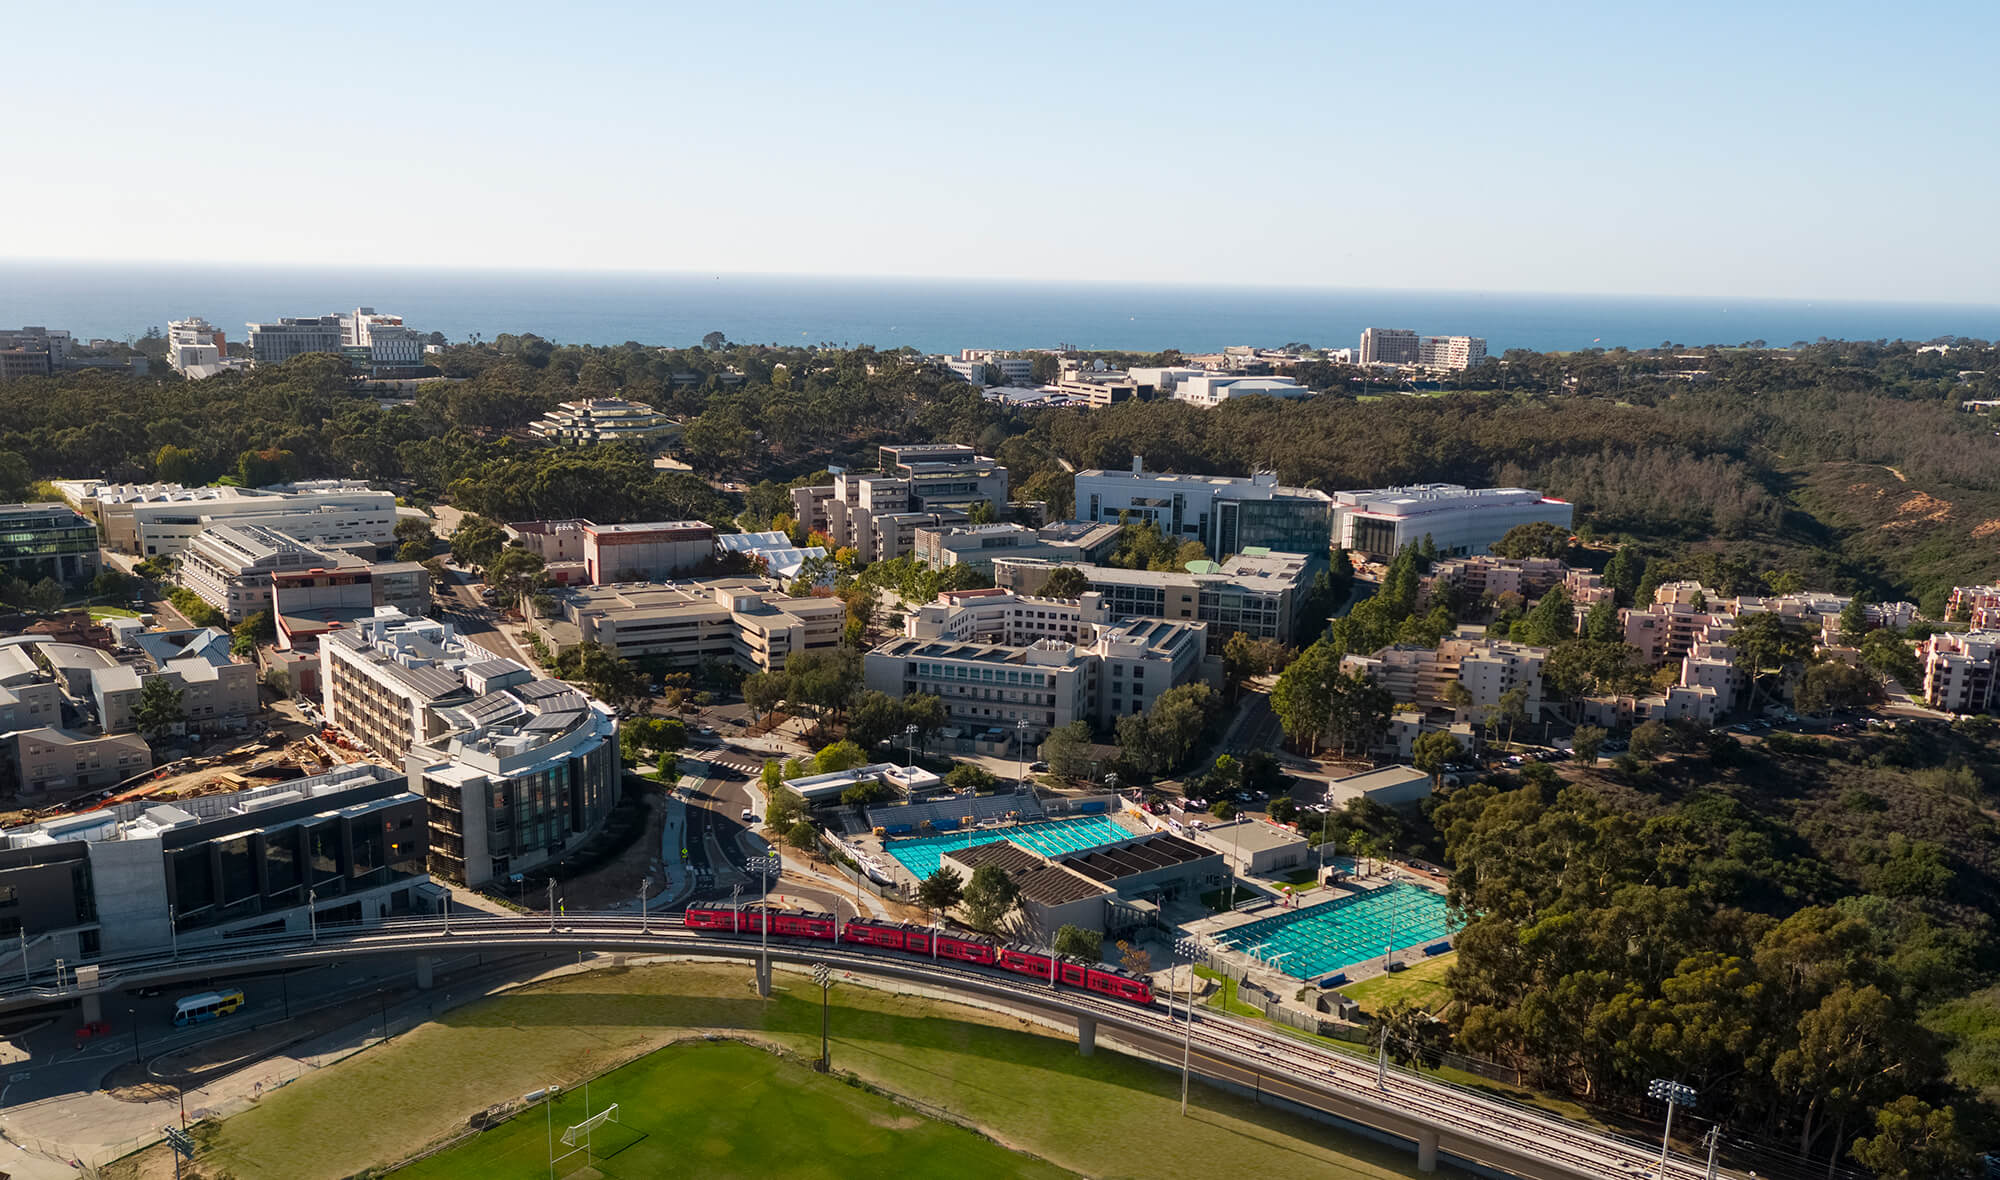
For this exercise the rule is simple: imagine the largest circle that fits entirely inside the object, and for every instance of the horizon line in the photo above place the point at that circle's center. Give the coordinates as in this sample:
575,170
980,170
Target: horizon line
986,280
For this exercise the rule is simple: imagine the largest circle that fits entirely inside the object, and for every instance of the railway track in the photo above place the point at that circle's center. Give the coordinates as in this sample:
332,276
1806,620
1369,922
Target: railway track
1475,1127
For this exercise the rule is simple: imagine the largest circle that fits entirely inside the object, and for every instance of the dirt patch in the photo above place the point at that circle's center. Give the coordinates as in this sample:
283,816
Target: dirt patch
904,1123
1985,528
1918,509
615,882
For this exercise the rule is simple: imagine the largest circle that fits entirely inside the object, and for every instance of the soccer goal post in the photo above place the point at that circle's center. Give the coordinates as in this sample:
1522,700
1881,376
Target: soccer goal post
608,1115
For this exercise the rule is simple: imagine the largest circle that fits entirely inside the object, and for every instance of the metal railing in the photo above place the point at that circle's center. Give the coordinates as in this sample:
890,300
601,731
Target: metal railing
1521,1131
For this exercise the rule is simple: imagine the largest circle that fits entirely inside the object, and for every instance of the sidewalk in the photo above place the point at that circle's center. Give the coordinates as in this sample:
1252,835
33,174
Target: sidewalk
796,866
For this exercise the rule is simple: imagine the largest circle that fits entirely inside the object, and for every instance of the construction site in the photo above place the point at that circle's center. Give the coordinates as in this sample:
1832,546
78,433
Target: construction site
294,750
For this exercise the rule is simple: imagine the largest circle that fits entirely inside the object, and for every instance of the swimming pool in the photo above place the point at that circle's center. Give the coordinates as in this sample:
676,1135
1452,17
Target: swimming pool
1361,926
919,854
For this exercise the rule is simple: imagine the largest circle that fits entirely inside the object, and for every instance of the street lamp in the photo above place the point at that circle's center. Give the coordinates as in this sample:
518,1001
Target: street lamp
910,744
312,918
1673,1094
134,1014
173,936
823,976
645,883
1187,948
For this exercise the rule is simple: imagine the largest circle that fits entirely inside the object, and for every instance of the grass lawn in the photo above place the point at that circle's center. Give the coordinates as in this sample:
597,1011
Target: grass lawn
1104,1116
112,612
1226,998
708,1108
1421,983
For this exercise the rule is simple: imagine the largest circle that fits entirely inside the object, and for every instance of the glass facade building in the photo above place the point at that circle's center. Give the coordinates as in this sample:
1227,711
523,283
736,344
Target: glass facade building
47,541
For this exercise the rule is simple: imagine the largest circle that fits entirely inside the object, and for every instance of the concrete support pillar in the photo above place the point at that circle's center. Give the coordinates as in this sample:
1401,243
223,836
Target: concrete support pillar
424,965
1086,1035
1427,1151
93,1000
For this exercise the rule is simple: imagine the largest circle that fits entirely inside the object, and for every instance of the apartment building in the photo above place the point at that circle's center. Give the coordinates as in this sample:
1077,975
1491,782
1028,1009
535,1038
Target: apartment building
740,621
1667,631
217,693
1458,520
140,877
918,486
46,758
1487,668
1486,576
1389,346
1227,514
605,419
280,340
196,348
1451,353
988,689
1976,605
151,520
1257,592
1958,670
47,541
1586,590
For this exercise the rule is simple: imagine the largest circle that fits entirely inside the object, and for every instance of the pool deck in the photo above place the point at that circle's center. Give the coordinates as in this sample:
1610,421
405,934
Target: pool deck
984,835
1212,929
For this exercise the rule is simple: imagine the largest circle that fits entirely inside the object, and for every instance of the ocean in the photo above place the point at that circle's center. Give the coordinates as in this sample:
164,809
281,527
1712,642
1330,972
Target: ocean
934,315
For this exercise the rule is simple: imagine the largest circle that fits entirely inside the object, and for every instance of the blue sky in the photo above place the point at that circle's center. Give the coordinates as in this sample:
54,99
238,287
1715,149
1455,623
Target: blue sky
1809,150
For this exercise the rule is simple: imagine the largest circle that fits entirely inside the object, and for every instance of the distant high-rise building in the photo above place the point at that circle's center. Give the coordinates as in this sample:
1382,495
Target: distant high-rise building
1451,352
195,347
273,343
1388,346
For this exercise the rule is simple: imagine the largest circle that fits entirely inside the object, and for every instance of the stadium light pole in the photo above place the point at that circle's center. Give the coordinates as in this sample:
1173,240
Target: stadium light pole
823,976
910,744
1021,749
1673,1094
1187,948
764,866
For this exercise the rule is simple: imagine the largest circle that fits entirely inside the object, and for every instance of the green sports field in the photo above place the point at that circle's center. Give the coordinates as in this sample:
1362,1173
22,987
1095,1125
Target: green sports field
727,1109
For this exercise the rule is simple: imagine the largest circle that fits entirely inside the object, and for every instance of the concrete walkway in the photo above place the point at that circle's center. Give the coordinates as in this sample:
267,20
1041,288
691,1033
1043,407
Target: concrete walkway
796,865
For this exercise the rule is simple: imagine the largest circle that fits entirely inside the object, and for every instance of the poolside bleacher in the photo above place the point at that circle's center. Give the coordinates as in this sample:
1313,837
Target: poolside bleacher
945,815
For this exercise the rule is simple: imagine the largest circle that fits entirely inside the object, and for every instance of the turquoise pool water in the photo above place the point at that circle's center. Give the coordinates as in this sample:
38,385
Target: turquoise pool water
1309,942
919,854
